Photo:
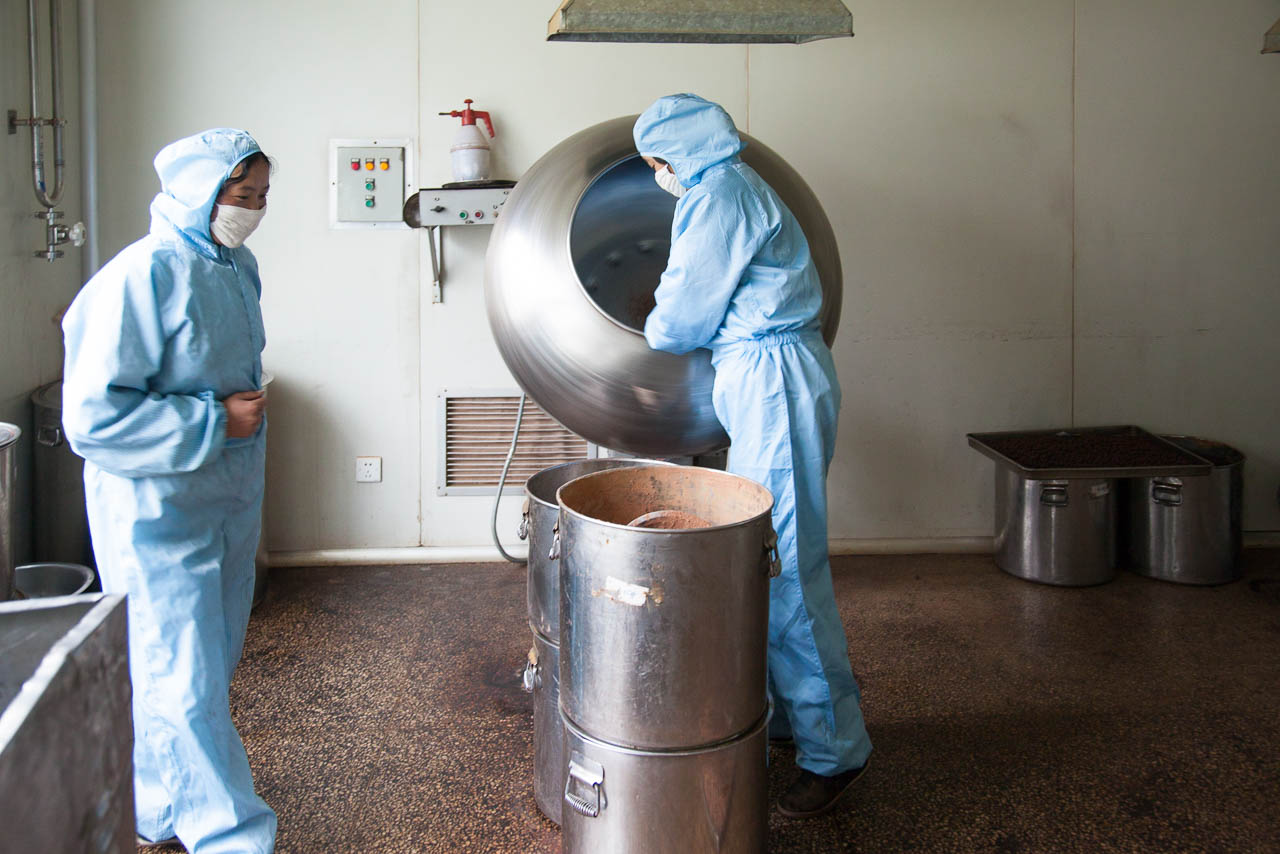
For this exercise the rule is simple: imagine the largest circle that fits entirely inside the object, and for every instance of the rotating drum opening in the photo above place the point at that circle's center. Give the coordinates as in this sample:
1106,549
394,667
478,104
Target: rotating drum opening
619,240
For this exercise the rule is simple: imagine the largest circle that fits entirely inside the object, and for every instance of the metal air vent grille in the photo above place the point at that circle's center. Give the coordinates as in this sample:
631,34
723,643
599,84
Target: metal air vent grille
476,430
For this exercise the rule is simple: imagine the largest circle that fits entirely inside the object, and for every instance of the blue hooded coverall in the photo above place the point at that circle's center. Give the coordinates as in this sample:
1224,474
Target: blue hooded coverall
740,282
154,342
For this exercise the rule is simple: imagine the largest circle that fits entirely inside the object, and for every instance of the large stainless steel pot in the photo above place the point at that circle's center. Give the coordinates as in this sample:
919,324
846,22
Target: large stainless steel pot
542,679
1059,532
9,434
569,279
663,632
540,514
1188,529
712,800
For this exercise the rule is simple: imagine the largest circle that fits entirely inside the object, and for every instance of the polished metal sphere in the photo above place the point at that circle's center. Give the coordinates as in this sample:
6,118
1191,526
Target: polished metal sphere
569,279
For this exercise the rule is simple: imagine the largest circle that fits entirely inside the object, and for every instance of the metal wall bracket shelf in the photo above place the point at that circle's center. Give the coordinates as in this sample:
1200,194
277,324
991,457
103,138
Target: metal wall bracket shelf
473,203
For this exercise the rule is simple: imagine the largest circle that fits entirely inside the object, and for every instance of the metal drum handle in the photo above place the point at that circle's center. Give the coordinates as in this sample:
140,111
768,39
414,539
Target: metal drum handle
50,437
554,554
523,531
532,672
771,552
1054,495
1166,491
588,773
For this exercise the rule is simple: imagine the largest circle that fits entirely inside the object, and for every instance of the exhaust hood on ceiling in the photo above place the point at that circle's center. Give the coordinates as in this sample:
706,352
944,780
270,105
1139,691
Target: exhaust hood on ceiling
700,21
1271,44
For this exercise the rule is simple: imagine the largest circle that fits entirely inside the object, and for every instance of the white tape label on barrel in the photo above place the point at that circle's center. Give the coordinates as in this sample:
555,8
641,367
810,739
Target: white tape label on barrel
624,592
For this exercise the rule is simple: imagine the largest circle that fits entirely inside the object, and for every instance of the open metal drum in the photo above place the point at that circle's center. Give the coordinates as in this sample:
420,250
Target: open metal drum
540,514
663,631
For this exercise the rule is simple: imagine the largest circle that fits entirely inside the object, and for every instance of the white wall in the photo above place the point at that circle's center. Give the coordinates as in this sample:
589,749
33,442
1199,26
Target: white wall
1178,237
939,141
341,307
32,290
949,148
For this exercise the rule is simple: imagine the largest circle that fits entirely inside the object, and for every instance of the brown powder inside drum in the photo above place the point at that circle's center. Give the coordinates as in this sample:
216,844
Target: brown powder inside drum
1087,450
669,520
639,307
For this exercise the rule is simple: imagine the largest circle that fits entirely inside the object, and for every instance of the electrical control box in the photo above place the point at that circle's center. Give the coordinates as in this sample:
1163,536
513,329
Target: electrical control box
369,180
461,205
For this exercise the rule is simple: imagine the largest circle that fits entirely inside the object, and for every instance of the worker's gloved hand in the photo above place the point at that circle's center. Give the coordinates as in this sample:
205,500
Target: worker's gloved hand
244,413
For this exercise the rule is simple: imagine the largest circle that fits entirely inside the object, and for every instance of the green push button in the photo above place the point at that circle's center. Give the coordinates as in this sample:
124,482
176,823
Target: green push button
369,185
462,215
368,203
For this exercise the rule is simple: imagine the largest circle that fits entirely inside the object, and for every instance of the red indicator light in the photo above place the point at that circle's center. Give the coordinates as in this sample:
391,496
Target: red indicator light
355,165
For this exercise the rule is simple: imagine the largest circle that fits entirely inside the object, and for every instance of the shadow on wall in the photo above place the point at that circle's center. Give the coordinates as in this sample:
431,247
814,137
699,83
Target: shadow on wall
297,430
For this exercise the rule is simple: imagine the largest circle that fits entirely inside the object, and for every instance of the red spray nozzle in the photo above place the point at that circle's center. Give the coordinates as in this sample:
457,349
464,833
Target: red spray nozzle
469,116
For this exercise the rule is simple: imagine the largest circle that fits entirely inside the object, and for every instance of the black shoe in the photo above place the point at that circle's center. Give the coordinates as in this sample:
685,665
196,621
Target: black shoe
813,794
147,843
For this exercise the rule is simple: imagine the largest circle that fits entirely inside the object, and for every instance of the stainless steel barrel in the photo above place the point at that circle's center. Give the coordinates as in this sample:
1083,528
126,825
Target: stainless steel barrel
542,676
1188,529
540,514
9,434
569,279
542,679
662,631
1059,532
712,800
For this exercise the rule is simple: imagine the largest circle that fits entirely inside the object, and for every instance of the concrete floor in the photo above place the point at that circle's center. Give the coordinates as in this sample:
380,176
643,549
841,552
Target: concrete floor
382,711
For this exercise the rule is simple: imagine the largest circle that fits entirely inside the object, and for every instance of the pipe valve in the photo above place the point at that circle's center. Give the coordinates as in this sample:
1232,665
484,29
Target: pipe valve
57,234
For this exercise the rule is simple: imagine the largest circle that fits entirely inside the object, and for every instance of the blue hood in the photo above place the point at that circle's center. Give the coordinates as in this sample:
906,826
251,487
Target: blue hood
690,133
191,172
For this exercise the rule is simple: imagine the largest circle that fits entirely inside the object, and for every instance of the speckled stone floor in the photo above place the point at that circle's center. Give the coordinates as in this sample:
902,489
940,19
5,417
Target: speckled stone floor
382,712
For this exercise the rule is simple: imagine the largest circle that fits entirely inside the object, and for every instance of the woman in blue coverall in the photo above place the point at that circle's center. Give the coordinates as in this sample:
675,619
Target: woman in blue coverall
161,396
740,282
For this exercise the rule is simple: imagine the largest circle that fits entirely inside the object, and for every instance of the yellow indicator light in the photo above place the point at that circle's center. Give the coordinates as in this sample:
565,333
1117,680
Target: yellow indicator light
384,165
368,164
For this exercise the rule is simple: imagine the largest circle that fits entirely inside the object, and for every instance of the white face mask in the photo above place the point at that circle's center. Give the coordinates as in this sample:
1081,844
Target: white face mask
232,225
668,181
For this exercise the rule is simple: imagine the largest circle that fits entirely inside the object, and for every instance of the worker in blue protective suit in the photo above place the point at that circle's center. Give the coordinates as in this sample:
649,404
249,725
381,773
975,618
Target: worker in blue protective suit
161,397
740,282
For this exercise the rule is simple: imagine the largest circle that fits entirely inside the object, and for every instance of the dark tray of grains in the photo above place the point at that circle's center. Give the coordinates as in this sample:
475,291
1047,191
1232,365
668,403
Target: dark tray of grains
1100,452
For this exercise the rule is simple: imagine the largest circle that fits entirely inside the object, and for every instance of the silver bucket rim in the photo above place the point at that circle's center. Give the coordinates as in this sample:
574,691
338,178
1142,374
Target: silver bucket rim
9,433
766,513
745,735
1219,454
615,463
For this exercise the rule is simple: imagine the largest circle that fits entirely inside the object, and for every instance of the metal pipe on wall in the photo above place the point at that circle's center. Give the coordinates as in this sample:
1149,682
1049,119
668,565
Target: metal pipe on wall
46,198
89,132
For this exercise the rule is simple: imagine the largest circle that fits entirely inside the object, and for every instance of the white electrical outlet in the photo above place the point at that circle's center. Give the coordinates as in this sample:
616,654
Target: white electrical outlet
368,469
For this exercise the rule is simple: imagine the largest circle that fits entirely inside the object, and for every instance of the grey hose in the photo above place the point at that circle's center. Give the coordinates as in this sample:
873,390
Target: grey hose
502,482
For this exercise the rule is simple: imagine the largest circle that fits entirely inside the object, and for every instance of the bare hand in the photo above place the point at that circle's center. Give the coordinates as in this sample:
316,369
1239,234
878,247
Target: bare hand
244,413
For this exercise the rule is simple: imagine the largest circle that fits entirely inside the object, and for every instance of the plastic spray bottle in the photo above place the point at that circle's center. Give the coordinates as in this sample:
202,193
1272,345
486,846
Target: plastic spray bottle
470,150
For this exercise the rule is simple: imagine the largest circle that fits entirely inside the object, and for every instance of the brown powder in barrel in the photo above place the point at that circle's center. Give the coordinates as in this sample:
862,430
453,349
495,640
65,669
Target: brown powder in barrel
669,520
1068,450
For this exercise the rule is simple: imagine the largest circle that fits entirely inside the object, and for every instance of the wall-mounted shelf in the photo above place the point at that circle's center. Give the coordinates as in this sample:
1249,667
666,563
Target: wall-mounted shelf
466,203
